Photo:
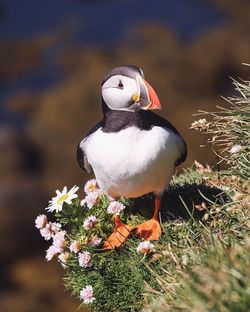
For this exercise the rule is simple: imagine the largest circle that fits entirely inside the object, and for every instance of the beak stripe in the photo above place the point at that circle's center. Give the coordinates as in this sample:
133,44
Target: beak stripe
154,100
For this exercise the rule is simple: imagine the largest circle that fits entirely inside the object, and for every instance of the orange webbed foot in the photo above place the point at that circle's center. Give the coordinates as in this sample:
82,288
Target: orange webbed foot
121,233
150,230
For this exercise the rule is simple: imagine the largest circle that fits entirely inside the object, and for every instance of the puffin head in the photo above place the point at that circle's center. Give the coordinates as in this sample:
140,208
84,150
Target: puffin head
125,88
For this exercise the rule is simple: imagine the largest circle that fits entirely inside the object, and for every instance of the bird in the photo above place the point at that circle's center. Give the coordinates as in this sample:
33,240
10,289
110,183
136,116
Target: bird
132,151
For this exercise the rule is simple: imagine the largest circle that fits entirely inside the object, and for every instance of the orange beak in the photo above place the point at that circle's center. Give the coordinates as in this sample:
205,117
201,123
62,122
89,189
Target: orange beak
153,97
147,98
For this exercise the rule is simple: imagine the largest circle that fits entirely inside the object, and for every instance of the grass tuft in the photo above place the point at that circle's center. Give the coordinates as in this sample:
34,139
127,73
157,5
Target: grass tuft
202,261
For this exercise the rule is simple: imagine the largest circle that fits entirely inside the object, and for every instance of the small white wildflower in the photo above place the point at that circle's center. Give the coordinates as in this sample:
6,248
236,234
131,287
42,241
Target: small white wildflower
115,208
63,258
89,222
90,199
59,240
56,203
235,149
95,241
50,230
145,247
55,227
200,124
41,221
51,252
84,259
75,246
86,294
90,186
200,168
46,232
237,196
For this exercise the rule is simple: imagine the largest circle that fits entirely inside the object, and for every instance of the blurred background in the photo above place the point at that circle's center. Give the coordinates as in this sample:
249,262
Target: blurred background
53,56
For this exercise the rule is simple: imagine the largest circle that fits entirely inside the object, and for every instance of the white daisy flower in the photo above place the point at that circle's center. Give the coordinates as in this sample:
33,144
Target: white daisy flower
56,203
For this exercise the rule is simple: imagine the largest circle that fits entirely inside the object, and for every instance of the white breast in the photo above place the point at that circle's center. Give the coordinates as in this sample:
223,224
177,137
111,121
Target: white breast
132,162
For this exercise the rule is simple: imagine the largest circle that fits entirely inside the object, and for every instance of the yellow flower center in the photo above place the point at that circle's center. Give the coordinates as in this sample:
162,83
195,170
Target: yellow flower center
62,198
92,188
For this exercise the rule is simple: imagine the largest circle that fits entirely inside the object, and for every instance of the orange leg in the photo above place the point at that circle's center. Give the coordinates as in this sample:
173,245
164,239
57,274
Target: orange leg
121,233
151,230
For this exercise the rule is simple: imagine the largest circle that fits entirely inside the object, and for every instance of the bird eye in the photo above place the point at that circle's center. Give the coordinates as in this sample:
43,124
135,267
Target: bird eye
120,85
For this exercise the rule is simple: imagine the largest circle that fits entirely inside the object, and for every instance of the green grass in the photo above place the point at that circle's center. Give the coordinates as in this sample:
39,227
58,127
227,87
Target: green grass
216,279
205,262
208,267
202,261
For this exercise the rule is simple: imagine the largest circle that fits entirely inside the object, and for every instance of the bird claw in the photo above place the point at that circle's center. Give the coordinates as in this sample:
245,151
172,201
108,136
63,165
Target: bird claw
150,230
121,233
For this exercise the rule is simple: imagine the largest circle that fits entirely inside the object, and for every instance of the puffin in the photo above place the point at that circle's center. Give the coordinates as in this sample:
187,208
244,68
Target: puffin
132,151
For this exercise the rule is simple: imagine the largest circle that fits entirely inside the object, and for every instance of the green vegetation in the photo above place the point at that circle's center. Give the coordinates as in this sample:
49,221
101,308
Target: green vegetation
229,131
207,262
202,261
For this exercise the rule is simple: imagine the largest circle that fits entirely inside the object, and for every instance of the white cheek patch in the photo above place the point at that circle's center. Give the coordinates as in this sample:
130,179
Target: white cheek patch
119,98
